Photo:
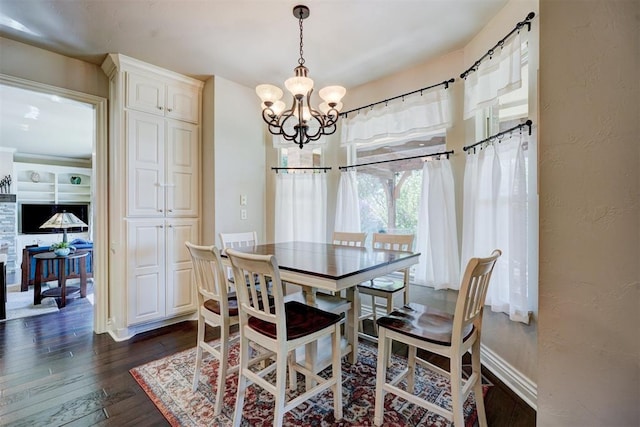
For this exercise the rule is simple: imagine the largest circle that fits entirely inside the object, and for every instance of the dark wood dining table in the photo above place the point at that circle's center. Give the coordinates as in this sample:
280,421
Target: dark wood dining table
334,268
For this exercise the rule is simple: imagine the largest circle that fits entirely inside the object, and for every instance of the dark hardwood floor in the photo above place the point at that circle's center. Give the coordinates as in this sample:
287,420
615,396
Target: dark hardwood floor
55,371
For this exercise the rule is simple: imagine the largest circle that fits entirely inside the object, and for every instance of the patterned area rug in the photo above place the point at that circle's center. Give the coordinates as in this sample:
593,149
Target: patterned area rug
20,304
167,382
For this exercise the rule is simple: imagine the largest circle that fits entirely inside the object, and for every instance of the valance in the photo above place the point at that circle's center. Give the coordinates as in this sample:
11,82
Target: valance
414,118
495,77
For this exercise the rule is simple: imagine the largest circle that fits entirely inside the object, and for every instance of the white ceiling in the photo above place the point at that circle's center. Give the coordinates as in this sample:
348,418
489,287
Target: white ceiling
45,125
346,42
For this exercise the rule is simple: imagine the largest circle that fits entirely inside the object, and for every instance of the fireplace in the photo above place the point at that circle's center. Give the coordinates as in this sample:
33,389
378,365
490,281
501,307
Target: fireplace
8,229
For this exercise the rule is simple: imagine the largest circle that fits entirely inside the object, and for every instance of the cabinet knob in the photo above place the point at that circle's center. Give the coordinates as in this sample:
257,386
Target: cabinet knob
169,109
169,210
160,108
159,210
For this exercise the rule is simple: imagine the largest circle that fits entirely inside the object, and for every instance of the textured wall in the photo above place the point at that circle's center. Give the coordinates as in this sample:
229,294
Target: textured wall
589,307
8,221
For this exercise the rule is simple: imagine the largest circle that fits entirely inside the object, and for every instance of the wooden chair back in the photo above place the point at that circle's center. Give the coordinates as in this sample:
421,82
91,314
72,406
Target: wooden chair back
394,242
472,294
209,275
254,300
349,239
238,240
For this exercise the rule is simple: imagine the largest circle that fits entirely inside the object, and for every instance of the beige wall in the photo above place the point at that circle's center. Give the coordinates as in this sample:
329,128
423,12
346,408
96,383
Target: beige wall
589,329
239,159
208,231
39,65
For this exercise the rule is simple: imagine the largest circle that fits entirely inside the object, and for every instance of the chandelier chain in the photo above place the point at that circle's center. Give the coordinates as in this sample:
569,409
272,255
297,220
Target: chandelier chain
301,60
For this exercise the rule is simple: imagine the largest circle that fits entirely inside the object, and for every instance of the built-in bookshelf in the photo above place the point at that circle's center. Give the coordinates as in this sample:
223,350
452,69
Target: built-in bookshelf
38,183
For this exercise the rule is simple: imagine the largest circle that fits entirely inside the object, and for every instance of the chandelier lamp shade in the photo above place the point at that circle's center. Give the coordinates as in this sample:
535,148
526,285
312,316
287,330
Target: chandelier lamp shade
300,123
64,220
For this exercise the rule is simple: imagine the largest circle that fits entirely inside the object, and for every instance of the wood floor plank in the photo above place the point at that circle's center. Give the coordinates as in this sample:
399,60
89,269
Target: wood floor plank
55,371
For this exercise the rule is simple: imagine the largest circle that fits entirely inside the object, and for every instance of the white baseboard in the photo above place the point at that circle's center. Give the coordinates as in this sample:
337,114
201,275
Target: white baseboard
123,334
512,378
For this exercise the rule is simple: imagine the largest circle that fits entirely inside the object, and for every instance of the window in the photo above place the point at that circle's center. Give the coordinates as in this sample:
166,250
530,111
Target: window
295,157
389,192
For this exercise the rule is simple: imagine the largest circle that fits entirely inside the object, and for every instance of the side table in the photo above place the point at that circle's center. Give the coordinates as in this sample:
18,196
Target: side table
69,263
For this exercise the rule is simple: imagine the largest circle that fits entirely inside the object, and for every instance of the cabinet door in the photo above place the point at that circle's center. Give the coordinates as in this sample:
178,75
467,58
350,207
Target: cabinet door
145,255
183,165
181,292
145,164
145,93
183,103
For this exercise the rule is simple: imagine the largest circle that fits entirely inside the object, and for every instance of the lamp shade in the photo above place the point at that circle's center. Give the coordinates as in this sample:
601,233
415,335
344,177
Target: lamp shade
332,94
269,93
298,85
64,220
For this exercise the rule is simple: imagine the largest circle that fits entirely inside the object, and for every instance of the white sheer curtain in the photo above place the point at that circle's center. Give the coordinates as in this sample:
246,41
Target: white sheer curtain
437,236
494,77
417,117
495,216
301,207
348,203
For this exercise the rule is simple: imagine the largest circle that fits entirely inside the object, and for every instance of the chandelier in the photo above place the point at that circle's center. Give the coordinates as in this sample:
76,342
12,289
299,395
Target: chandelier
301,123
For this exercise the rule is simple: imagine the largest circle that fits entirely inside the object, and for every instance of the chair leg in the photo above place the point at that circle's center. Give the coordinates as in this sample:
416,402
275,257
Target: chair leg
222,368
293,375
337,374
381,376
477,388
411,366
456,390
200,338
281,385
389,310
375,314
242,380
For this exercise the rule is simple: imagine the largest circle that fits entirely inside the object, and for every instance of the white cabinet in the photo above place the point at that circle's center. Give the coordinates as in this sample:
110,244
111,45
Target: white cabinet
159,269
158,96
162,166
154,193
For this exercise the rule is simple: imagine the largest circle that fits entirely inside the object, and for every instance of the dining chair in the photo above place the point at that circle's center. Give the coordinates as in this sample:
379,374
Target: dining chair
216,308
280,327
385,287
237,240
348,239
451,336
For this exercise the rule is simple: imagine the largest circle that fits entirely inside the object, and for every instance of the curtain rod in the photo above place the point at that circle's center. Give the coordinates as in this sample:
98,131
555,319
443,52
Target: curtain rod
447,153
445,83
499,134
491,51
325,169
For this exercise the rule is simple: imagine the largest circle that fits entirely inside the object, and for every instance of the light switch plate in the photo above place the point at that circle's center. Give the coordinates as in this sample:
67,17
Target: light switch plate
243,214
243,200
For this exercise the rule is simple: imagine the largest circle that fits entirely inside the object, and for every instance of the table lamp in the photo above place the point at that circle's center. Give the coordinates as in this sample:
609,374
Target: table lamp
64,220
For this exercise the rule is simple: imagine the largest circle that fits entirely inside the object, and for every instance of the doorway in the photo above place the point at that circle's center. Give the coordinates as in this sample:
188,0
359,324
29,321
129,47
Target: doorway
99,176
